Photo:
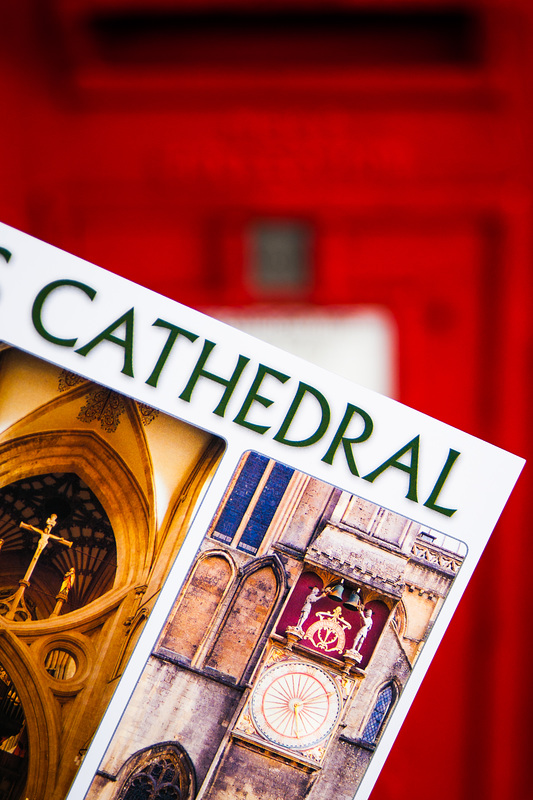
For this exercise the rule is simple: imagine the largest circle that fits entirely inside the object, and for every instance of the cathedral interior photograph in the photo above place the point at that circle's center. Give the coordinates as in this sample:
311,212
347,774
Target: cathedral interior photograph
97,493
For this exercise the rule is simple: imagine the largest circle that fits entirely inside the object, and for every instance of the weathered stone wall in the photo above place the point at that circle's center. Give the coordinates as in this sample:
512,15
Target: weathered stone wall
359,514
191,618
248,775
345,767
173,704
359,559
244,624
389,662
429,577
307,515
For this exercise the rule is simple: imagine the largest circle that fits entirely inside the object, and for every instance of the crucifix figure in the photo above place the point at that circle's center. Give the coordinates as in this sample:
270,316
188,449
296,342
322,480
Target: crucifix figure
44,537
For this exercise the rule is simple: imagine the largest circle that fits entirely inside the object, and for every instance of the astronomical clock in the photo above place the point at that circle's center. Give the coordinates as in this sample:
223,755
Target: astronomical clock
294,708
310,673
296,704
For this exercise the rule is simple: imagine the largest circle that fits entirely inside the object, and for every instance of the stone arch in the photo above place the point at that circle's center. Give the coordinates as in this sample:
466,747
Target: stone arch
81,521
371,595
42,729
93,460
380,608
400,619
163,767
250,615
191,621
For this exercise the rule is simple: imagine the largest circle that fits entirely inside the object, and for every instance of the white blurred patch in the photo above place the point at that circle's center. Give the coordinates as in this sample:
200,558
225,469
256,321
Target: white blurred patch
359,344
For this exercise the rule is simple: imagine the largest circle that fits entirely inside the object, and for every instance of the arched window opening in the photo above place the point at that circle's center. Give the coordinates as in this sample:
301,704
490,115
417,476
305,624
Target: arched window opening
157,781
194,615
162,773
247,619
380,712
78,573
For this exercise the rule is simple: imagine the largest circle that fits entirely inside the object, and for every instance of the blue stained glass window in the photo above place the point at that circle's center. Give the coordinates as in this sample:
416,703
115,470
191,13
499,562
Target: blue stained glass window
240,497
265,508
377,718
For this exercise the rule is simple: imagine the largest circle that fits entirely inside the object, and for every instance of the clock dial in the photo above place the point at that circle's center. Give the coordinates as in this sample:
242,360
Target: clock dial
295,704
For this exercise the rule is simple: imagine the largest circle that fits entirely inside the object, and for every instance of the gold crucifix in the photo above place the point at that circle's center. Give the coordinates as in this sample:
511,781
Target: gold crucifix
44,537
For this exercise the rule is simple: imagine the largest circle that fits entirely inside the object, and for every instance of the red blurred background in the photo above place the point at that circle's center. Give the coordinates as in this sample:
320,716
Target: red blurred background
385,147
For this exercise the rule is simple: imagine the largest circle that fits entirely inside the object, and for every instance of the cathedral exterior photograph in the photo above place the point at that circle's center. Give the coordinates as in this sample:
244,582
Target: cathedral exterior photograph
97,493
286,650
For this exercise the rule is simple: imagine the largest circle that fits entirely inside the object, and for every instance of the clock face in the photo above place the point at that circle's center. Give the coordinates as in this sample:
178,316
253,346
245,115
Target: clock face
295,704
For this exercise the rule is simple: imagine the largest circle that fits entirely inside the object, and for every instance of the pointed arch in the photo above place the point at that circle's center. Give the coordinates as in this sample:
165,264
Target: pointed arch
205,589
138,422
259,591
400,619
164,770
42,729
80,519
93,460
386,698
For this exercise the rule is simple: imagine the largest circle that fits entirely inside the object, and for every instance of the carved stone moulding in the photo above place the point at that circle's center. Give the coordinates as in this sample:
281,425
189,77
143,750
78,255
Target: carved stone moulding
359,562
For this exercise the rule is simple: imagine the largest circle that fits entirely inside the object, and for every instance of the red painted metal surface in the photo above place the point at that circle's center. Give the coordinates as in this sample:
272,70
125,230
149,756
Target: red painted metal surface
413,171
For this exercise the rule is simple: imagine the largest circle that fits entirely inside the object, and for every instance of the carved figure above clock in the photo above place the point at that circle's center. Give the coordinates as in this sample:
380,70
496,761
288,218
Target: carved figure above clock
333,620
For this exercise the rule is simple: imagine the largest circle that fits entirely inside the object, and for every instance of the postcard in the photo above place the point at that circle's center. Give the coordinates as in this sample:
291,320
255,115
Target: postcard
225,571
